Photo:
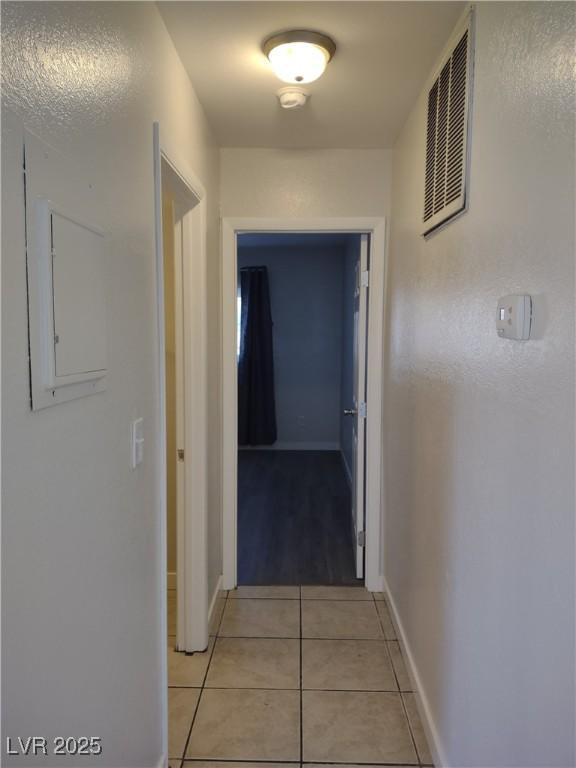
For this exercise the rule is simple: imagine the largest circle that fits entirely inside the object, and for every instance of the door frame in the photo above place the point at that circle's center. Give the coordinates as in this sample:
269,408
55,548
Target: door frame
359,391
192,578
376,228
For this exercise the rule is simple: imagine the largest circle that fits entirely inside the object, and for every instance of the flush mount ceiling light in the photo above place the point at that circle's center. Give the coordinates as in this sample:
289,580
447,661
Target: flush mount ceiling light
299,56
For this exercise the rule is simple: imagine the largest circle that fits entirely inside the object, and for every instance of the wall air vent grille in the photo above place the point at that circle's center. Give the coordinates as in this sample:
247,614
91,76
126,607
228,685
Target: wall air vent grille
447,136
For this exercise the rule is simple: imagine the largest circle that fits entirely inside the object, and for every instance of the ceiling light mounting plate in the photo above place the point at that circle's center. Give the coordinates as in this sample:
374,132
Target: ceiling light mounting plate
300,36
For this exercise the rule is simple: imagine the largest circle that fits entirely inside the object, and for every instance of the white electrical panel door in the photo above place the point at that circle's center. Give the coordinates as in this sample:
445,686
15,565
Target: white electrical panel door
67,260
79,299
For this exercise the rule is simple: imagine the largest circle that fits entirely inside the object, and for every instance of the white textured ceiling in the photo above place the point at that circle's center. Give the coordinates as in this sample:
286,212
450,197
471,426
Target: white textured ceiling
385,51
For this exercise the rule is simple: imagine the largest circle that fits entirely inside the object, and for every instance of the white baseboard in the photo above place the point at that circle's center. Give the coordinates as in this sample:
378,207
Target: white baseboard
286,446
171,580
346,469
213,599
434,741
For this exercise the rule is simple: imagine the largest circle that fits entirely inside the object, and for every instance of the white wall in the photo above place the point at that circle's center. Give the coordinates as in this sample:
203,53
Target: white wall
81,648
479,534
306,301
306,183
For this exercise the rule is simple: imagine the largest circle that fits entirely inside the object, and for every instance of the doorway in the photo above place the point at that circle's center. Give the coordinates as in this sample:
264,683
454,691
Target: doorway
363,518
181,265
296,411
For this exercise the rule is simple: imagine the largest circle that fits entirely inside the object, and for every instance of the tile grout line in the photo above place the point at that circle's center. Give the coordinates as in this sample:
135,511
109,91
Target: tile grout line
295,637
193,760
398,682
217,629
370,599
387,644
287,690
301,683
410,728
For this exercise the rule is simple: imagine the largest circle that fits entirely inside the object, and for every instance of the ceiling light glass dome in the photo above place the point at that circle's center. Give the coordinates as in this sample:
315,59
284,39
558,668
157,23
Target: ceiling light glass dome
300,56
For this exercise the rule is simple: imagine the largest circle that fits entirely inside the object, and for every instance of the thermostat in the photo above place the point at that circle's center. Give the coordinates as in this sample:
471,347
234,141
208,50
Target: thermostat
514,317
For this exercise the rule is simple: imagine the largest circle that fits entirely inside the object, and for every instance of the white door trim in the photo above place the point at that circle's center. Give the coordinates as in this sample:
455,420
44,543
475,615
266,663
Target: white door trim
192,575
359,389
376,227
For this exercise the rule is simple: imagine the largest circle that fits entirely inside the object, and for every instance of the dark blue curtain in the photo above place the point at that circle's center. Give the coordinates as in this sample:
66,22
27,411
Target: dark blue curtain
256,405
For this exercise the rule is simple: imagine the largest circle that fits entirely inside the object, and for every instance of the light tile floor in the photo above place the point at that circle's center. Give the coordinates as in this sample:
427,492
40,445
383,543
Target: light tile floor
294,676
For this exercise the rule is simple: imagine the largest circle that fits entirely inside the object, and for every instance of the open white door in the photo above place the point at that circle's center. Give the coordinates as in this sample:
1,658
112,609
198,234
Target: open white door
177,458
358,411
175,426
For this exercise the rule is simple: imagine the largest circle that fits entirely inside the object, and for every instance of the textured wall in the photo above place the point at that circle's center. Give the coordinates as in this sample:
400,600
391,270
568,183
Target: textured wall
81,648
479,531
301,182
306,300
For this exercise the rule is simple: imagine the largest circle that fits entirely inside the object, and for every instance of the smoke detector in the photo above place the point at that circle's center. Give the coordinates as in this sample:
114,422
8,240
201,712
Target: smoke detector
292,97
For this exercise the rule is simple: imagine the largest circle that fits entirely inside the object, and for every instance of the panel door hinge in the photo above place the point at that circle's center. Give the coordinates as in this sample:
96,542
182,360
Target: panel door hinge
365,278
361,538
362,410
180,454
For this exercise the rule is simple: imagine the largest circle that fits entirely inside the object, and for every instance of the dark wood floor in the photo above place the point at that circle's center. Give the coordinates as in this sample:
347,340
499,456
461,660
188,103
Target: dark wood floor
294,519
